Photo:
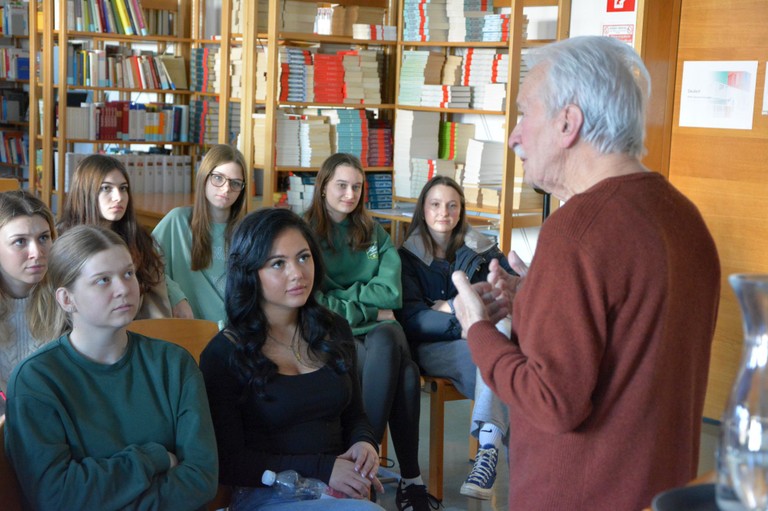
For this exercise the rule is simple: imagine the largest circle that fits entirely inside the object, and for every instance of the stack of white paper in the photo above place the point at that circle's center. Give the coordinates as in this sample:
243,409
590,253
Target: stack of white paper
419,67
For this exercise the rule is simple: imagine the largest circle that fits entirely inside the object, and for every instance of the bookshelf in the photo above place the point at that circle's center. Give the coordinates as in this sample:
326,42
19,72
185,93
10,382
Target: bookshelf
508,198
14,93
113,69
283,36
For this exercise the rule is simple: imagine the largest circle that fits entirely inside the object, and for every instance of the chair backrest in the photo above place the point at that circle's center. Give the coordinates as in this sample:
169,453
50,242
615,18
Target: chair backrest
10,491
192,334
8,184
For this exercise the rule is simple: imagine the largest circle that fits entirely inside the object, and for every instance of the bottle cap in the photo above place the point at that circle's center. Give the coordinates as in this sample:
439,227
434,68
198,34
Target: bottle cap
268,478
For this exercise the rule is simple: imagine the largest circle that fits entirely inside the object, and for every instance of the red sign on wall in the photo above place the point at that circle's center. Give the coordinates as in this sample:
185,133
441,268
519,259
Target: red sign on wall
621,5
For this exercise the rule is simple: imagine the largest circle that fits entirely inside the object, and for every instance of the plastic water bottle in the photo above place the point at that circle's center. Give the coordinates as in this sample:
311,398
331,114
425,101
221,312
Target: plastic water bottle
289,483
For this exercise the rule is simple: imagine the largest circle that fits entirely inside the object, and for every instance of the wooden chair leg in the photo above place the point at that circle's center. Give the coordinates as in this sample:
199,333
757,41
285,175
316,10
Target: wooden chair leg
383,449
436,439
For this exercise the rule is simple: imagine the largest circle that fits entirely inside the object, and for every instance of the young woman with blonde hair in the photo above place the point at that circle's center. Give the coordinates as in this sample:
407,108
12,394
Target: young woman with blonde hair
100,194
102,418
26,235
195,240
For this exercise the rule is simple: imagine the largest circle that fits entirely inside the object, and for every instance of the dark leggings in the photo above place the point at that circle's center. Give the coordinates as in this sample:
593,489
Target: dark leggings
390,382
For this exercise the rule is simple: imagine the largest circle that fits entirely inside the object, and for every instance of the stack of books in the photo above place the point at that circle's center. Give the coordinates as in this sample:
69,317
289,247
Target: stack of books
203,72
233,124
345,18
425,20
259,136
314,140
496,27
379,191
419,67
454,138
422,170
491,96
477,67
299,16
379,143
260,80
467,19
296,75
416,136
204,122
374,32
329,79
370,61
452,70
484,165
236,72
446,96
352,133
353,78
301,188
287,140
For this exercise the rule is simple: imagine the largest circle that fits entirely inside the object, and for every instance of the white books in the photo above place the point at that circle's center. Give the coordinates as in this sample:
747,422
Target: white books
484,166
416,136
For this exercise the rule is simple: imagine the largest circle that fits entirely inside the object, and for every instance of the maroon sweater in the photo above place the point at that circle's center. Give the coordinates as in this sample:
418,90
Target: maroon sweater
607,369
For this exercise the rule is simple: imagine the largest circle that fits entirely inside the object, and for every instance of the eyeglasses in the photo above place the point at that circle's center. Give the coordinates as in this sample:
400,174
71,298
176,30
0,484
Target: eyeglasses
218,181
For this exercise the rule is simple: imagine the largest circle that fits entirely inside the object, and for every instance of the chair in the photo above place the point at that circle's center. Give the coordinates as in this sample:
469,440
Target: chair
8,184
440,390
192,334
10,491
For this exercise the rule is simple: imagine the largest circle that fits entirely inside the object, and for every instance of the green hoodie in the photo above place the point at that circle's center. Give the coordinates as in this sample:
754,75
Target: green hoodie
359,283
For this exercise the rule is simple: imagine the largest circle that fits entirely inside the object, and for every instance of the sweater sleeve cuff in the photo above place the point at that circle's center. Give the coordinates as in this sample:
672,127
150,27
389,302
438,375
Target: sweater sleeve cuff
158,456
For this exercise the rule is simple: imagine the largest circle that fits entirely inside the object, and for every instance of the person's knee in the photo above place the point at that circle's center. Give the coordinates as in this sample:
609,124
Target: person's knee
387,338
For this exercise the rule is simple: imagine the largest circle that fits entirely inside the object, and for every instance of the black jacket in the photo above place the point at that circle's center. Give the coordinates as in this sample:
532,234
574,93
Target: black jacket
424,284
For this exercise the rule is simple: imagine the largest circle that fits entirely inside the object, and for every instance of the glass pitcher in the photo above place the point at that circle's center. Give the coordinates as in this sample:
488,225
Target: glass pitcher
742,458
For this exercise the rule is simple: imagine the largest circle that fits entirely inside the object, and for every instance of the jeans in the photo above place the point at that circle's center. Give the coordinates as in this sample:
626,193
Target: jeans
256,499
449,359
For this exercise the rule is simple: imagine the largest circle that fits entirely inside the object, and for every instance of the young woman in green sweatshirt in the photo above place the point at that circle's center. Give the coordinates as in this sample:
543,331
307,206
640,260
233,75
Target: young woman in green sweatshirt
194,240
102,418
363,285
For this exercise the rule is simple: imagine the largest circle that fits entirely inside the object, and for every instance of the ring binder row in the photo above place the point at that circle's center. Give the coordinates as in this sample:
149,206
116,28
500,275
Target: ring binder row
147,173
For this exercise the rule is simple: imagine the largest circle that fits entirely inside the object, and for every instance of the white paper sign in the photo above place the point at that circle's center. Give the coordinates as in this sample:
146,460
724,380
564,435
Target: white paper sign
718,94
765,91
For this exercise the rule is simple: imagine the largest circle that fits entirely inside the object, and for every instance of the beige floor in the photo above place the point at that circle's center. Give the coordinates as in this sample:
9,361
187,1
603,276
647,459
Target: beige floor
457,464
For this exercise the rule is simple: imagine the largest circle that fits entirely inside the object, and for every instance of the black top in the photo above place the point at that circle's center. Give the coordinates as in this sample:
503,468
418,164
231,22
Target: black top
304,424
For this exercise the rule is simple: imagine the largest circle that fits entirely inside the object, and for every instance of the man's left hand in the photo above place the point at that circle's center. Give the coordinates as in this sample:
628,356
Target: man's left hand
477,302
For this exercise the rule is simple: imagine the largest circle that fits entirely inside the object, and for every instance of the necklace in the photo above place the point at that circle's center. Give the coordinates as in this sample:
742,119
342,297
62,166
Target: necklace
293,346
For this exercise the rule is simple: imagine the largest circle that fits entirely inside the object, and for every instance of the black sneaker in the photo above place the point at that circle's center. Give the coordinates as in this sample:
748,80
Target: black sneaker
414,497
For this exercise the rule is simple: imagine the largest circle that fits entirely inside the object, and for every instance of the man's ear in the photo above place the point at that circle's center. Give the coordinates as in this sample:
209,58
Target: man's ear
571,120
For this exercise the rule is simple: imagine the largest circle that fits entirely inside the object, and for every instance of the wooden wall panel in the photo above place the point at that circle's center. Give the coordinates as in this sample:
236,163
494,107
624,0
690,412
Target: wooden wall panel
725,172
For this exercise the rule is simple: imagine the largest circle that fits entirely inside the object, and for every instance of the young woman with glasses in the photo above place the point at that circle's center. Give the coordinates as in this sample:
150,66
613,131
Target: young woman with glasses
195,239
101,195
